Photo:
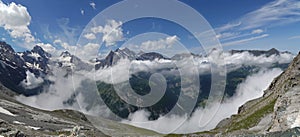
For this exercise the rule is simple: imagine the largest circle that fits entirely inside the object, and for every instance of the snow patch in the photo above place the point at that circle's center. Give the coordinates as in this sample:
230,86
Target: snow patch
34,55
19,123
34,128
4,111
297,122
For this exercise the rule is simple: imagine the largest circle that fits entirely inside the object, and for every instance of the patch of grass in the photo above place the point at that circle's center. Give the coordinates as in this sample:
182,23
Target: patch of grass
174,135
187,135
254,118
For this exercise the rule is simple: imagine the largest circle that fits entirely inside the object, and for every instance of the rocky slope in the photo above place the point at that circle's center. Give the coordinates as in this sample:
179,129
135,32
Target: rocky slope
19,120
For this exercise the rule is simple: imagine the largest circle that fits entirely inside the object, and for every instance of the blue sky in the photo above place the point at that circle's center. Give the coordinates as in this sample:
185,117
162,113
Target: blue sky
239,24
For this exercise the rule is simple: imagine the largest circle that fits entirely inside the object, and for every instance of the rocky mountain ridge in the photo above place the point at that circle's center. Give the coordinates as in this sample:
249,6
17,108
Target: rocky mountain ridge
268,53
124,53
14,66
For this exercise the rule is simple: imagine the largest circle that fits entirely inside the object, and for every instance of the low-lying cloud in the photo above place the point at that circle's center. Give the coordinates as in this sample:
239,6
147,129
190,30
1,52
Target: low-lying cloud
54,97
31,81
251,88
64,87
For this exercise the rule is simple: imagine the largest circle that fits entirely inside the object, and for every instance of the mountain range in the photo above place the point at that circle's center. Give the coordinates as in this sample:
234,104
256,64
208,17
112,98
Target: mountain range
279,101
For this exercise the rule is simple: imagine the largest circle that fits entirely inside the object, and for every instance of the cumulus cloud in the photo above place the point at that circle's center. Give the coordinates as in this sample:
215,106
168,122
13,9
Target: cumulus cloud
31,81
84,52
159,44
65,45
47,47
15,19
112,32
250,89
88,51
90,36
152,45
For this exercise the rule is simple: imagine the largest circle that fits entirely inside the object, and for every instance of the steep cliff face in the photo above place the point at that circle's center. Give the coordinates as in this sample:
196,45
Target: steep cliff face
276,113
287,106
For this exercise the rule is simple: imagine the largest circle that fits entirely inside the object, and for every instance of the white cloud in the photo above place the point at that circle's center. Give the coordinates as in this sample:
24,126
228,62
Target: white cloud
70,33
82,11
47,47
112,32
236,42
152,45
65,45
31,81
274,13
159,44
93,5
88,51
227,35
237,35
15,19
228,26
85,52
90,36
294,37
257,31
246,58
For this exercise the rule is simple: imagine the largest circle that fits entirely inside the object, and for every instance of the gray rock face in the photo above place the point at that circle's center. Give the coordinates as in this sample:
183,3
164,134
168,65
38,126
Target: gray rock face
287,111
